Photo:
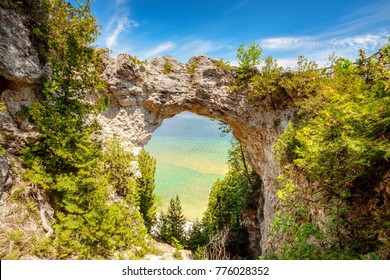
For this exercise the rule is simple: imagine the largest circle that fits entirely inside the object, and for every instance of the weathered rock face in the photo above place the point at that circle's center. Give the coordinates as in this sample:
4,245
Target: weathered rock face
142,96
18,59
19,78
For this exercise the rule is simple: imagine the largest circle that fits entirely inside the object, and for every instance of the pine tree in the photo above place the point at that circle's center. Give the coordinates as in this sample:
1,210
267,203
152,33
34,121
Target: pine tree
146,185
173,223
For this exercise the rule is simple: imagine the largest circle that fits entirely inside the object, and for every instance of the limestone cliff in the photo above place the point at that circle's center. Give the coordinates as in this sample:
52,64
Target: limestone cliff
142,95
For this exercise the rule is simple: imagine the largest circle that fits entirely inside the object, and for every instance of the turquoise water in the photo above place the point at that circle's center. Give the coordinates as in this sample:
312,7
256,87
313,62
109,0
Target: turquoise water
190,156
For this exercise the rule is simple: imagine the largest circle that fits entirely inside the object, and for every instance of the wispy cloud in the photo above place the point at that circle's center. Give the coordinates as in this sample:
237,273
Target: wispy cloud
359,19
183,49
192,47
288,43
120,2
164,47
368,42
121,24
238,6
118,24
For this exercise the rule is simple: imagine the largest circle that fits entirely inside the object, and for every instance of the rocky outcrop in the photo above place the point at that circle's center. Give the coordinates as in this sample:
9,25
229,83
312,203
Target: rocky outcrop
143,95
18,58
20,72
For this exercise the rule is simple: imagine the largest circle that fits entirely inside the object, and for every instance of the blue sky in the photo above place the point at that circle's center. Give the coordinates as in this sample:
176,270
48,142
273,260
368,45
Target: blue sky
284,29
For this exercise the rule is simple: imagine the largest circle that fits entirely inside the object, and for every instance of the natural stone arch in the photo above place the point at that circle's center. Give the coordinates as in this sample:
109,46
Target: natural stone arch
142,96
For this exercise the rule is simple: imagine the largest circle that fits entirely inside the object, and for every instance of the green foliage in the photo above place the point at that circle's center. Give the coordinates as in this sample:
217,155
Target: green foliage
197,236
90,222
265,84
228,196
222,220
198,253
146,185
192,67
304,81
223,65
167,67
248,57
137,61
340,144
172,227
177,255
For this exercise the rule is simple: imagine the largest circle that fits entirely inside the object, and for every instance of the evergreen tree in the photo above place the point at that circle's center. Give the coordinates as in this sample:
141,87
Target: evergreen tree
173,223
146,185
197,236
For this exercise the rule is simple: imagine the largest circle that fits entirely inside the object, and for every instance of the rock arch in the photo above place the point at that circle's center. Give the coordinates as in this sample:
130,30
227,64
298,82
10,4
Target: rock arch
144,94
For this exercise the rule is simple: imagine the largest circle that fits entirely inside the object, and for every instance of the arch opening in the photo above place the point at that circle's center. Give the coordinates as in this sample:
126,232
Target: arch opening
191,155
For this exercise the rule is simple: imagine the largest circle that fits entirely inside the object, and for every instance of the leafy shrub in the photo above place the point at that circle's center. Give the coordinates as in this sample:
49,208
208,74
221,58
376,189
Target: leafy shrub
192,68
223,65
167,67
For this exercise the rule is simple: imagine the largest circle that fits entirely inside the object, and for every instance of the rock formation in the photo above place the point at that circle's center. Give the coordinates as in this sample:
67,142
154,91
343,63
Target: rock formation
143,95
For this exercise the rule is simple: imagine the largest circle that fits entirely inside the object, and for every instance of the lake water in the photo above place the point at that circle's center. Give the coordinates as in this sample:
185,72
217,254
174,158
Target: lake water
190,156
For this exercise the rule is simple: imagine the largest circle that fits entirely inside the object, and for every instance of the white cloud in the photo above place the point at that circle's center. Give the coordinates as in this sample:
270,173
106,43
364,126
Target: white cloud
238,6
120,2
121,24
361,19
167,46
282,43
184,49
287,62
194,47
117,24
355,43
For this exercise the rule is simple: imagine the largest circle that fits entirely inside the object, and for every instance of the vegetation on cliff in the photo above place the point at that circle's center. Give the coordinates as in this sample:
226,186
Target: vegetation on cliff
91,204
334,155
339,144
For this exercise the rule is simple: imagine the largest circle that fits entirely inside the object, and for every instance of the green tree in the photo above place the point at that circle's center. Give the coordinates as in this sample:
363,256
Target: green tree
197,236
248,57
173,222
146,185
91,223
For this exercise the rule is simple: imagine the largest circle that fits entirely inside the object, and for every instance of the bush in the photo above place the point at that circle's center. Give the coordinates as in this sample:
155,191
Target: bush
167,67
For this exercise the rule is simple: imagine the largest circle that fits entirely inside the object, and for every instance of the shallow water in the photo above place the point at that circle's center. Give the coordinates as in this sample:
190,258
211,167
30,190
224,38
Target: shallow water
190,156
